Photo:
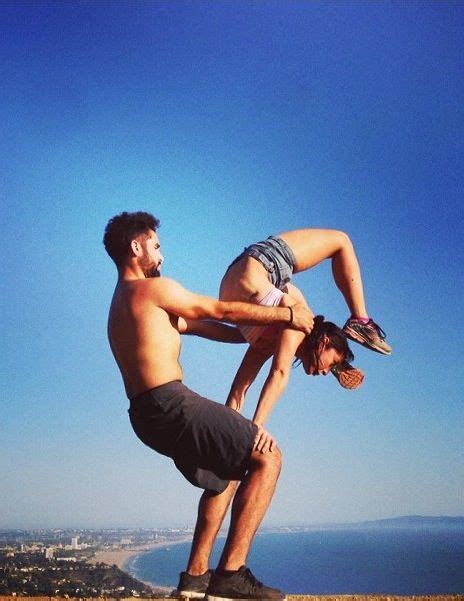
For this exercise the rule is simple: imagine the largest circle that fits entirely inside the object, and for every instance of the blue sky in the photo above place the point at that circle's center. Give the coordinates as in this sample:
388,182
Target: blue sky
231,121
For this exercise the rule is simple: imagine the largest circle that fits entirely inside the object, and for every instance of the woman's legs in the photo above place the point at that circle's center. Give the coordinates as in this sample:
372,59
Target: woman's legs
312,246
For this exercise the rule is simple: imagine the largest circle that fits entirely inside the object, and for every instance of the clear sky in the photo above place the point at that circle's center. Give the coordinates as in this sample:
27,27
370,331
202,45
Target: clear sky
231,121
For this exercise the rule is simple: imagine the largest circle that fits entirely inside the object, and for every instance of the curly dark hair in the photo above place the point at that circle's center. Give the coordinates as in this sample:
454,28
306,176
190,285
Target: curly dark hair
336,336
122,229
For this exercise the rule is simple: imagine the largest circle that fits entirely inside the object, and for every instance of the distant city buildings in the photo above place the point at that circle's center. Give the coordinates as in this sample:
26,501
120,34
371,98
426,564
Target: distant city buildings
84,543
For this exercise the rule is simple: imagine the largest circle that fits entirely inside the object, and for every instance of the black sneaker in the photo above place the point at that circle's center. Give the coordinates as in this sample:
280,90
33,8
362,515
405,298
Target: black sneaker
368,334
192,587
240,585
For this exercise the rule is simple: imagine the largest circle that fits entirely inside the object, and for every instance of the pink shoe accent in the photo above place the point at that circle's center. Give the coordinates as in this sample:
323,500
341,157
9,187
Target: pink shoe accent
363,320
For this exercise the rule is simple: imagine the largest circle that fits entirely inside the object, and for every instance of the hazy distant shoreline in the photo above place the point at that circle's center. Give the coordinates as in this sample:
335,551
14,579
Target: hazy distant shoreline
122,557
162,544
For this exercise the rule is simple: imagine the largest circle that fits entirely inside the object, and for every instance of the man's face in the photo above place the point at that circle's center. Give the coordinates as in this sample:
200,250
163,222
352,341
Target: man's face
152,258
321,361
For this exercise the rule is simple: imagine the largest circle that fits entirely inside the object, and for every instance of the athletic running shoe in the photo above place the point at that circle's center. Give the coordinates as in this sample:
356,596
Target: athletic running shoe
348,376
368,334
192,587
240,585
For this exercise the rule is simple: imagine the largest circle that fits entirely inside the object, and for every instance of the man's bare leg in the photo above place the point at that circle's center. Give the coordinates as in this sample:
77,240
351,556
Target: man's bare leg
232,579
312,246
212,510
250,503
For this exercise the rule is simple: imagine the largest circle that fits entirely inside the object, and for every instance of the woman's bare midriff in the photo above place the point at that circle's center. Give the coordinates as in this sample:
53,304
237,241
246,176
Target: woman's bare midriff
245,281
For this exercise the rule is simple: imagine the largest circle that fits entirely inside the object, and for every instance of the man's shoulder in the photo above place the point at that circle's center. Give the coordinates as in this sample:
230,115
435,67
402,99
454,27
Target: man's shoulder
160,287
160,282
154,287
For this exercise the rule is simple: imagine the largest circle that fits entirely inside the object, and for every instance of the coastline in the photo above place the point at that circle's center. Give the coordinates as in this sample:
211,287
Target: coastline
380,550
122,557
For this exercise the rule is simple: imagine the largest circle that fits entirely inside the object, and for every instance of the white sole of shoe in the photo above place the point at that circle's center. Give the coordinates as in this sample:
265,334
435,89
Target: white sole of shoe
214,598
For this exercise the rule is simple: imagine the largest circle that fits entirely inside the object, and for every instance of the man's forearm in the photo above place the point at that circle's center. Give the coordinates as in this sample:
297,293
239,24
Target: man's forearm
175,299
247,313
297,317
213,330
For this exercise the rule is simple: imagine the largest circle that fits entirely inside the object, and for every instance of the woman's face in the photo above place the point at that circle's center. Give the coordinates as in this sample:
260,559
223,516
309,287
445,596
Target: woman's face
320,362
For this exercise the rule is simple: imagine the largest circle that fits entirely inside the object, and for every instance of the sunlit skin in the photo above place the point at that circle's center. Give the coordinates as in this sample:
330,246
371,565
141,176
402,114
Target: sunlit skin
283,346
147,316
149,312
314,364
248,280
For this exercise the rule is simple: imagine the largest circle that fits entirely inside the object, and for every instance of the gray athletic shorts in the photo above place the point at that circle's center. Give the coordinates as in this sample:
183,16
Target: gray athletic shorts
275,256
210,443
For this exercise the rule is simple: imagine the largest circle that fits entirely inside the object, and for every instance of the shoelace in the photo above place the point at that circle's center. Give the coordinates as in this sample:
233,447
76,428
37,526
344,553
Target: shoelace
378,329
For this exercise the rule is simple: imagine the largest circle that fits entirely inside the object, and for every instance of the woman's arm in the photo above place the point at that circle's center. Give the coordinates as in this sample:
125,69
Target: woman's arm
284,354
277,379
246,374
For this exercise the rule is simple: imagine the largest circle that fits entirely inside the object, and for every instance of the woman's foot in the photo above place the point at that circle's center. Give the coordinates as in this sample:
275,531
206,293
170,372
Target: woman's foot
368,334
348,376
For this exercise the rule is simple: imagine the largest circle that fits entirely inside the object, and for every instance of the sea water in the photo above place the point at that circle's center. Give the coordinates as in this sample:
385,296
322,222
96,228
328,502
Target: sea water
402,561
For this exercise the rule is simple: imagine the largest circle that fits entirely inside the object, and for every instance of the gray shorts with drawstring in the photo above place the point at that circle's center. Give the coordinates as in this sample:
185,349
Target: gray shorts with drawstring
209,442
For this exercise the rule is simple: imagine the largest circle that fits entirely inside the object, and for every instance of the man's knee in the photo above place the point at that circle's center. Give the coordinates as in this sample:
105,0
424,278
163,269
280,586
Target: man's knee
272,460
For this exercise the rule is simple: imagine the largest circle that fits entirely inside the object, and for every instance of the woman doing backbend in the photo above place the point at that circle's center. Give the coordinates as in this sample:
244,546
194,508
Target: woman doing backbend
262,274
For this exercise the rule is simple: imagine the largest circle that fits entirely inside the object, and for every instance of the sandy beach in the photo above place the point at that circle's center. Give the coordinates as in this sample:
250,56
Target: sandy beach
121,557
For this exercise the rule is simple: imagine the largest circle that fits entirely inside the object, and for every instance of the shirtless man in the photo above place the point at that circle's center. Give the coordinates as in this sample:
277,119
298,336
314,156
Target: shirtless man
211,444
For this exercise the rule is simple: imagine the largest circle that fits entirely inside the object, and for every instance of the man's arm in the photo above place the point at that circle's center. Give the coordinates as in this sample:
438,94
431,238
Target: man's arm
212,330
175,299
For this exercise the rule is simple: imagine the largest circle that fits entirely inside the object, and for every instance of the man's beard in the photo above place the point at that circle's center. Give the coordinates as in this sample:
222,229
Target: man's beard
150,269
152,272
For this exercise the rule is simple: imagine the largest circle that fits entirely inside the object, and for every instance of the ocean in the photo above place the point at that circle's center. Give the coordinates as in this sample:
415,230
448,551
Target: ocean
400,560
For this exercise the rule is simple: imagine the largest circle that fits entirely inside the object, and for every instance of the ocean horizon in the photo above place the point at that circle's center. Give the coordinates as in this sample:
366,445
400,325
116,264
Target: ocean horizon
404,558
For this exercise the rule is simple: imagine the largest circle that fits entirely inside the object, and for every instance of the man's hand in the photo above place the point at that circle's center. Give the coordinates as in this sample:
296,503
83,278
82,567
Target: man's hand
301,318
264,441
